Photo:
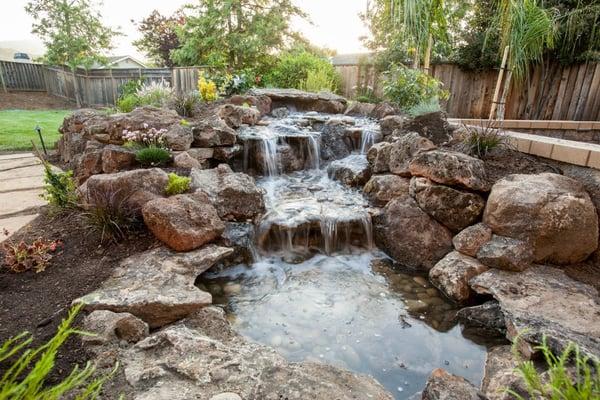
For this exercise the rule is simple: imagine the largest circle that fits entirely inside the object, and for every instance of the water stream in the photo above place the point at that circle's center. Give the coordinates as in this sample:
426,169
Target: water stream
319,290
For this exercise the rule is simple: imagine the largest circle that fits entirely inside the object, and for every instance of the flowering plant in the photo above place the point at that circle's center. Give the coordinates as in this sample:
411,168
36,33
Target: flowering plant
207,89
149,137
23,256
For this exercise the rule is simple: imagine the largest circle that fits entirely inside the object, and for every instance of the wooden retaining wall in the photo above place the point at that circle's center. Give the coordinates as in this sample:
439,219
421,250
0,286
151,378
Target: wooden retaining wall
552,92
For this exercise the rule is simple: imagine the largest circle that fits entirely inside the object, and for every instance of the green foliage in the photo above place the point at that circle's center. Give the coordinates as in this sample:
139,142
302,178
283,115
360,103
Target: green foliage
407,87
159,36
26,379
569,376
153,156
72,31
130,87
184,103
128,103
292,69
318,80
479,141
110,215
208,89
429,106
177,184
155,93
366,94
59,187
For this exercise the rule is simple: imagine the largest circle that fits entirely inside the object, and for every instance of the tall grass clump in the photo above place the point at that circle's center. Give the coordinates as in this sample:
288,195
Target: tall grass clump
319,80
479,141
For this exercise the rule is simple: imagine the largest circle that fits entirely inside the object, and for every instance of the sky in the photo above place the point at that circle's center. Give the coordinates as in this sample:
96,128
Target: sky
335,23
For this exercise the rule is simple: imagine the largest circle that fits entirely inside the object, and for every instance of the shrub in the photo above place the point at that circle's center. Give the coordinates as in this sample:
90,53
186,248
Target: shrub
228,84
155,93
130,87
432,105
366,94
407,87
291,71
22,256
27,376
207,89
110,215
479,141
128,103
319,80
184,103
153,156
59,187
562,383
177,184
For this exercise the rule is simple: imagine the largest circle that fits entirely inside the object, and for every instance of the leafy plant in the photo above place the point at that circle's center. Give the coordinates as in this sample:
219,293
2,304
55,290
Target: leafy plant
155,93
407,87
207,89
128,103
150,137
479,141
22,256
184,103
319,80
432,105
569,376
153,156
130,87
291,71
109,214
26,377
60,188
177,184
365,94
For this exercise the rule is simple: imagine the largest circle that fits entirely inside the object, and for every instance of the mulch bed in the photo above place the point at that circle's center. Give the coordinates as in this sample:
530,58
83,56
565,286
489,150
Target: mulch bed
37,302
33,101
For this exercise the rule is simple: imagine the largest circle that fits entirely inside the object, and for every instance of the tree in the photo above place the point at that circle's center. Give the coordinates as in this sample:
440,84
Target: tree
235,34
159,36
72,32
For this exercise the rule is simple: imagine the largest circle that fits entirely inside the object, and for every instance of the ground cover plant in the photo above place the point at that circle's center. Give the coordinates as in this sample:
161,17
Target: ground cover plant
479,141
17,128
177,184
23,256
60,188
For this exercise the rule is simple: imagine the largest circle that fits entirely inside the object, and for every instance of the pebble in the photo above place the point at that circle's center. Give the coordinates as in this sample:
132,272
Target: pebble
232,288
421,281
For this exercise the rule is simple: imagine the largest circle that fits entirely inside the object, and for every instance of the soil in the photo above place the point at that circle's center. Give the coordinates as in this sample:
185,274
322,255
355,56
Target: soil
33,101
37,302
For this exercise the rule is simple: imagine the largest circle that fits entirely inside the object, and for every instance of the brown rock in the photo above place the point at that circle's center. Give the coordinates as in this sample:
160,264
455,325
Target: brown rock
470,240
324,102
381,189
183,222
379,157
109,326
88,164
405,149
358,109
179,137
506,253
262,103
234,116
184,160
452,273
432,126
351,171
500,375
551,212
390,123
382,110
116,158
442,385
213,132
225,154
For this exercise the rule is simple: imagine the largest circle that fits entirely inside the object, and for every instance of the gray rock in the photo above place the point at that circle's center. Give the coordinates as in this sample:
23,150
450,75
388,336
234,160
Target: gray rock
179,137
334,142
486,319
226,396
381,189
236,116
157,286
108,326
262,103
212,132
451,168
280,112
545,301
552,212
352,171
404,150
469,240
241,237
358,109
442,385
452,273
454,208
506,253
379,157
390,123
500,375
433,126
324,102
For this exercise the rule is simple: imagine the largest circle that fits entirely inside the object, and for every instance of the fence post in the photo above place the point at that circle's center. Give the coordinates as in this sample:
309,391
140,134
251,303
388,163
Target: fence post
2,79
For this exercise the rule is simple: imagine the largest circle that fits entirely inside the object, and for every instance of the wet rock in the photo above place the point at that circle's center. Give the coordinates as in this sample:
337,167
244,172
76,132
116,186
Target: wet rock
390,123
109,327
382,110
116,158
183,222
235,195
379,157
469,240
381,189
551,212
451,168
352,171
280,112
433,126
452,273
212,132
545,301
324,102
358,109
454,208
240,237
506,253
234,116
410,236
405,149
127,191
333,140
225,154
442,385
262,103
184,160
179,137
500,375
157,286
486,319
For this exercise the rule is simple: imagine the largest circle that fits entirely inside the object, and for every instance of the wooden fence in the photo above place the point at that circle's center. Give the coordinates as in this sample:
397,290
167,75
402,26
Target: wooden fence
552,92
22,76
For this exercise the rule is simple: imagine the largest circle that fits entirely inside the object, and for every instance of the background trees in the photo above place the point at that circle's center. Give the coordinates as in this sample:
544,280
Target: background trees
159,36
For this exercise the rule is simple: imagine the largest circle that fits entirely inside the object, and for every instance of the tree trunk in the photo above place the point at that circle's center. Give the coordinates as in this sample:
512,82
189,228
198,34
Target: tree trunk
427,61
502,103
498,83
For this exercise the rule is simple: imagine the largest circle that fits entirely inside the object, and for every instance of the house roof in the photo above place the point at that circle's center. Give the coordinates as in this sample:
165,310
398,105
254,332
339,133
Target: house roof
351,58
112,60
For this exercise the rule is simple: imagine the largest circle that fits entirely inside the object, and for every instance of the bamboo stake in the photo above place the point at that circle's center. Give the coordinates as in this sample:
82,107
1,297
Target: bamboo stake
427,61
499,83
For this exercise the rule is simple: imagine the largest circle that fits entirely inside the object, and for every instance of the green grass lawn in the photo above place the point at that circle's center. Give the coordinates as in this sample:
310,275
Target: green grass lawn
17,128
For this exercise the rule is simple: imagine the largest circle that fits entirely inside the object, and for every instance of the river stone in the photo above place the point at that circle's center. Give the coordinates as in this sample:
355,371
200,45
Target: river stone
212,132
552,212
380,189
358,109
469,240
235,195
452,273
391,123
236,116
351,171
202,356
179,137
116,158
454,208
485,319
410,236
183,222
506,253
404,149
433,126
109,326
544,301
128,190
500,375
157,286
379,157
451,168
442,385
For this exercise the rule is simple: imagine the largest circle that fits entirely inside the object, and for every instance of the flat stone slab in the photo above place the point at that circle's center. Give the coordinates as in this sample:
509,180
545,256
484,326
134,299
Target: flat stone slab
13,224
20,201
295,94
11,164
24,172
21,183
15,156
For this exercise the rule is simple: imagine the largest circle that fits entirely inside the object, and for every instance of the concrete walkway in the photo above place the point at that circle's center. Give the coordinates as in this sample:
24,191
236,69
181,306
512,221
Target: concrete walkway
21,184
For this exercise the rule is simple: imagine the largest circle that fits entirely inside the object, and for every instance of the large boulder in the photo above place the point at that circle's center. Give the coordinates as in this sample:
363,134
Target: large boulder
433,126
454,208
451,168
553,213
379,157
506,253
236,116
262,103
442,385
452,273
405,149
183,222
381,189
179,137
351,171
212,132
470,240
157,286
324,102
234,195
410,236
334,140
126,191
116,158
391,123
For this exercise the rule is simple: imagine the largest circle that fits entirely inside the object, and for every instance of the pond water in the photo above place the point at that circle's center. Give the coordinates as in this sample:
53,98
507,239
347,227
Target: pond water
320,291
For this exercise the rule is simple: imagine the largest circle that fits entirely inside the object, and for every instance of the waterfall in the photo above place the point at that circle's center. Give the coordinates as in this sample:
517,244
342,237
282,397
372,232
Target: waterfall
367,140
269,154
314,151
